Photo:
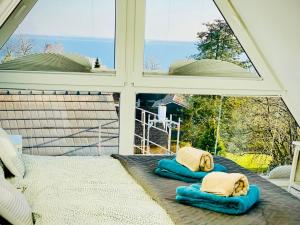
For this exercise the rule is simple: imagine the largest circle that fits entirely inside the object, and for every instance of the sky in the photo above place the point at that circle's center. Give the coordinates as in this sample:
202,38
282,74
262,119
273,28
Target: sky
80,18
168,20
178,20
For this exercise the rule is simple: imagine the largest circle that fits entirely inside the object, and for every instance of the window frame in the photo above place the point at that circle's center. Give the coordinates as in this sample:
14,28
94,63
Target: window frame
129,78
265,82
6,8
106,78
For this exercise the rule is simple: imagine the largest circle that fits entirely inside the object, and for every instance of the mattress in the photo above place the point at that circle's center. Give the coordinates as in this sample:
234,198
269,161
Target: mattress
78,190
276,206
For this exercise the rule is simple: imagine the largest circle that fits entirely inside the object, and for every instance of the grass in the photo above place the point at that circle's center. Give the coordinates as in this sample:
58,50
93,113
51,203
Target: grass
254,162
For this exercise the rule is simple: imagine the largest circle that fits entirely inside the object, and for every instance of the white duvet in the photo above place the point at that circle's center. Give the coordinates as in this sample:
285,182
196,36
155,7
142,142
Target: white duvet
86,191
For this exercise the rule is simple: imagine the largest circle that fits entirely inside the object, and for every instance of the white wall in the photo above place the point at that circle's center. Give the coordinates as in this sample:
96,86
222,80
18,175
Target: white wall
274,26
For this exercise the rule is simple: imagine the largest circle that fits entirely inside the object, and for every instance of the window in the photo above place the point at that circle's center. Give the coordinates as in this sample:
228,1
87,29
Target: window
62,122
6,7
256,132
63,36
192,38
143,39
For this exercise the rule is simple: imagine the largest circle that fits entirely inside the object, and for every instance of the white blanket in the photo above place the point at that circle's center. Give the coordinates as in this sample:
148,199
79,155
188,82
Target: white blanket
86,190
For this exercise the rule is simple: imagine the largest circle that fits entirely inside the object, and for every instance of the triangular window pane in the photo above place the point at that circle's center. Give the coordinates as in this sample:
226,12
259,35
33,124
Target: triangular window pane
191,37
63,36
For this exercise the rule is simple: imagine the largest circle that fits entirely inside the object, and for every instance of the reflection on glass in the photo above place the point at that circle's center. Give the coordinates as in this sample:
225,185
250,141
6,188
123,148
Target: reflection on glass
68,36
181,34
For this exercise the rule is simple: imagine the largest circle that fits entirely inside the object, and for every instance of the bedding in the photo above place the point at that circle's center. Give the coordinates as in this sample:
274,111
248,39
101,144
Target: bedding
10,156
86,190
13,206
276,205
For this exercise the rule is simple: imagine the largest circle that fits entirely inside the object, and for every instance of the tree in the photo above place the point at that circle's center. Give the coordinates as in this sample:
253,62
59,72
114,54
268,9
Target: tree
97,64
21,46
260,125
24,47
151,64
219,42
200,122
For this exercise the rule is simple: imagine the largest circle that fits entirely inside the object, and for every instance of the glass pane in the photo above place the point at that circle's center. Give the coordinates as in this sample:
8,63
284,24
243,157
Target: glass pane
192,38
62,122
157,124
66,36
255,132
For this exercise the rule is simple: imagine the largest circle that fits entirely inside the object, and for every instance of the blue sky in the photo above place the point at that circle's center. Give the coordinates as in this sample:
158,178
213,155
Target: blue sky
168,20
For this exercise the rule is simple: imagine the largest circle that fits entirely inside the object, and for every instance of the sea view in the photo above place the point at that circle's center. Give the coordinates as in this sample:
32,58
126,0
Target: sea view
163,53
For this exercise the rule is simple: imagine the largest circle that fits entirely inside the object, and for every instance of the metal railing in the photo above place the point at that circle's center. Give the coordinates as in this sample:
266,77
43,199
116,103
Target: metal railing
150,120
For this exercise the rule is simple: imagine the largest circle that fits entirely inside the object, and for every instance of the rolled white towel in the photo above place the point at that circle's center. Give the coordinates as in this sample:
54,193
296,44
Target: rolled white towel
195,159
225,184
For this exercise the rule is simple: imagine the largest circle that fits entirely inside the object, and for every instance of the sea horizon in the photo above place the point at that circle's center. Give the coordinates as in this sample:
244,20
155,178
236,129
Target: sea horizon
162,53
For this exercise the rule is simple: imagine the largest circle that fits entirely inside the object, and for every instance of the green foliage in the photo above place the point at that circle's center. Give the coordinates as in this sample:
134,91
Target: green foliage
200,122
254,162
260,126
219,42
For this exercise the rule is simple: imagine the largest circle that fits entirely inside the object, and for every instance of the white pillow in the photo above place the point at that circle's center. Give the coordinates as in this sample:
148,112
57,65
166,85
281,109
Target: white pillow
10,157
280,172
13,205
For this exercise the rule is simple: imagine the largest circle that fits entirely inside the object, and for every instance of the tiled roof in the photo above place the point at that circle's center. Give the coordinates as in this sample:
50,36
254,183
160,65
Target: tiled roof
172,98
60,122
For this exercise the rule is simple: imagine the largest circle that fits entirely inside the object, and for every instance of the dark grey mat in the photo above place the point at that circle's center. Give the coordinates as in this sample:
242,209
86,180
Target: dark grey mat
276,206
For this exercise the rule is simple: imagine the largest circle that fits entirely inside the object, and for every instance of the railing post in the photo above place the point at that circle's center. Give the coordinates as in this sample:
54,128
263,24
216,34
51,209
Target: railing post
170,134
148,134
178,135
144,131
218,125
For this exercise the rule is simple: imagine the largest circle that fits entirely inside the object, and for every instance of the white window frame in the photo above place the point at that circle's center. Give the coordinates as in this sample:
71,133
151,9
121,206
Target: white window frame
113,78
6,8
129,78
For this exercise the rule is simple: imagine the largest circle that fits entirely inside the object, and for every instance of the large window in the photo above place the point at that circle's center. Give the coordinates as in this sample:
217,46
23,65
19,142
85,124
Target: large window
62,122
256,132
63,36
192,38
147,46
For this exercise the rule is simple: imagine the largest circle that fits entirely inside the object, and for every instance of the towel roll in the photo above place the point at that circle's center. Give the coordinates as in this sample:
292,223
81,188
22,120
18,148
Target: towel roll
195,159
225,184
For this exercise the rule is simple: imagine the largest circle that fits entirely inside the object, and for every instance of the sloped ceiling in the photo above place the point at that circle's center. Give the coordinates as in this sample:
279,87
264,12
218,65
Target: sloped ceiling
274,26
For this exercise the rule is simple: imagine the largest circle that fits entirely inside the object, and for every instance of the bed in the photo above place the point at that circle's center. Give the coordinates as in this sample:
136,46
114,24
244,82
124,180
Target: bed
277,206
85,190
